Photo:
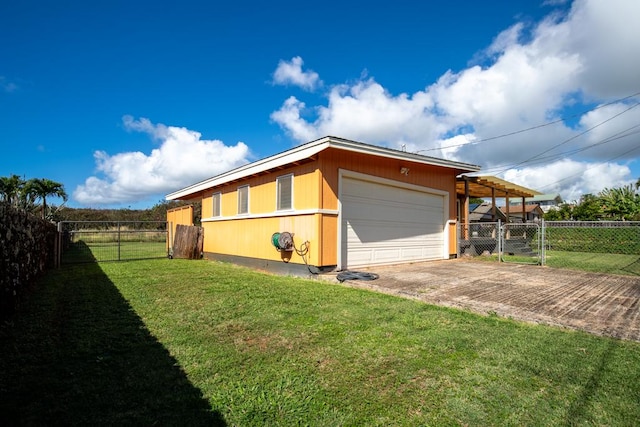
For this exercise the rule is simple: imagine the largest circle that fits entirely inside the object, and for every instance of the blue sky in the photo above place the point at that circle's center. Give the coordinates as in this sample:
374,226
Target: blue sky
126,101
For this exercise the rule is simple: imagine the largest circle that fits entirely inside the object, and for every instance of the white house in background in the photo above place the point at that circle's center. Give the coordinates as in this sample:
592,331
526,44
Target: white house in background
545,201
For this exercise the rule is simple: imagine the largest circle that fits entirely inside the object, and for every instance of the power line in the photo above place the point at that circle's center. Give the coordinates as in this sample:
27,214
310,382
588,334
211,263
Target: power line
562,119
591,167
622,134
569,139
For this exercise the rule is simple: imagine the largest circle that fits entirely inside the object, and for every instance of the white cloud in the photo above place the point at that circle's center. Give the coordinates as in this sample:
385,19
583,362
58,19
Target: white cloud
7,86
530,75
181,159
290,73
571,179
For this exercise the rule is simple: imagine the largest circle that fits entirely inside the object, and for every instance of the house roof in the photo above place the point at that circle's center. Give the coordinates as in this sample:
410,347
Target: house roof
484,211
545,197
481,186
515,210
306,152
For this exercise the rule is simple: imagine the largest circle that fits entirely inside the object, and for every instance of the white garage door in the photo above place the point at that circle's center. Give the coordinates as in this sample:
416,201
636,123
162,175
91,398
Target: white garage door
384,224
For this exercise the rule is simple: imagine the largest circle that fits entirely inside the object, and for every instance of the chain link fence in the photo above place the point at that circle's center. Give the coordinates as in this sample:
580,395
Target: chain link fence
96,241
506,242
600,246
605,246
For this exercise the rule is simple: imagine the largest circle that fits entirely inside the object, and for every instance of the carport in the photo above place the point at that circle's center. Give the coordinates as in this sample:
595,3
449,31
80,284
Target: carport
487,187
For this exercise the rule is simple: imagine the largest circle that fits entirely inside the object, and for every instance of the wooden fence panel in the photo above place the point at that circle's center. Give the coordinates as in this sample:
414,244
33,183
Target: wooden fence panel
188,242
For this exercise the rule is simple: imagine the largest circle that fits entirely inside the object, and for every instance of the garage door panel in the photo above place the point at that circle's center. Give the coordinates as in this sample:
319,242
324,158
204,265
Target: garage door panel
375,231
385,224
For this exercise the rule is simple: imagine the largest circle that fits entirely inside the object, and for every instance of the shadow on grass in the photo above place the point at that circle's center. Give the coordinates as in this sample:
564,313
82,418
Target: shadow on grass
77,354
77,252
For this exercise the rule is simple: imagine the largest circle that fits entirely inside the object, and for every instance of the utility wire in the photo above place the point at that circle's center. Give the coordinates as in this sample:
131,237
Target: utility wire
569,139
591,167
536,160
562,119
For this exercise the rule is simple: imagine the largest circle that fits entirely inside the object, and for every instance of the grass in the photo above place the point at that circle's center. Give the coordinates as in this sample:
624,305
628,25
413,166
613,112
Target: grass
595,262
607,263
201,343
81,251
615,240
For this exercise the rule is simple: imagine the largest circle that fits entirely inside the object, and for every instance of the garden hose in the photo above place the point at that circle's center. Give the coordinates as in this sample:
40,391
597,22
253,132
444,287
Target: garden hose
355,275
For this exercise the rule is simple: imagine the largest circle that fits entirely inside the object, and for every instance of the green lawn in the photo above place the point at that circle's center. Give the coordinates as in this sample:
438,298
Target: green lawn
81,251
178,342
595,262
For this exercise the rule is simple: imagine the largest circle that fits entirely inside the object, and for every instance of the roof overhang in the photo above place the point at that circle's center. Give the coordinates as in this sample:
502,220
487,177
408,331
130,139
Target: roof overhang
307,151
491,186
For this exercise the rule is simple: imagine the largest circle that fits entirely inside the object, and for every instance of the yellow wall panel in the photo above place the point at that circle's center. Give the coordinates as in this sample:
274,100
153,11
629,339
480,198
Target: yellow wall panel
252,237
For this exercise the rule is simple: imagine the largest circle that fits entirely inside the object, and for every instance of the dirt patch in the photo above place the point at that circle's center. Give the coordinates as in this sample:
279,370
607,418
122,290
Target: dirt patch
601,304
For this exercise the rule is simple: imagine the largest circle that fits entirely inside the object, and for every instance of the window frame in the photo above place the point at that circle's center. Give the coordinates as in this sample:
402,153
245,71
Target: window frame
279,179
239,191
216,196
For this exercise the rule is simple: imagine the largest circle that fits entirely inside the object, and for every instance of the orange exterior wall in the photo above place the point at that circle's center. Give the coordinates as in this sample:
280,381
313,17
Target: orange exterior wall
315,201
436,177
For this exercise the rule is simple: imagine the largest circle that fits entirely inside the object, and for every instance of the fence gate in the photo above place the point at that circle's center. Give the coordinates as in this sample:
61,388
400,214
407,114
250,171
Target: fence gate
521,243
510,242
95,241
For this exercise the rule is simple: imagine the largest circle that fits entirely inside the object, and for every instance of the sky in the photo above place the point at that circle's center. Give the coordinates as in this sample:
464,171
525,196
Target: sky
124,102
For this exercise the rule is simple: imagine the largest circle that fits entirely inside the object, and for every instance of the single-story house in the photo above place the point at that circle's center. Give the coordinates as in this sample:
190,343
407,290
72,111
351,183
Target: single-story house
545,201
530,212
345,205
485,212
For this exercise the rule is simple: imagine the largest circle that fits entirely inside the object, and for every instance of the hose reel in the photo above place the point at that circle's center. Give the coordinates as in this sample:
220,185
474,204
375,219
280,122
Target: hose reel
283,241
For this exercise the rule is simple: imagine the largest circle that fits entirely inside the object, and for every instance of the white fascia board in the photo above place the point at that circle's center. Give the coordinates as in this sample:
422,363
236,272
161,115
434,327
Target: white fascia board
296,154
309,149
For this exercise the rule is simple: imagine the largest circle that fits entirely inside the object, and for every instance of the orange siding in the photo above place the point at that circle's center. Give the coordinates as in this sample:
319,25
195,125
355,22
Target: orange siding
435,177
329,240
315,187
453,238
332,160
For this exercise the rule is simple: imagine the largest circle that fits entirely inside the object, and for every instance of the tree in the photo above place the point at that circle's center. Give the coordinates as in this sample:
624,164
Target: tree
589,208
41,188
11,188
621,204
564,213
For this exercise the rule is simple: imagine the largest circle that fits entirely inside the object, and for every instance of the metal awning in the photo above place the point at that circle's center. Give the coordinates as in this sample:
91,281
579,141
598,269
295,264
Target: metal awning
491,186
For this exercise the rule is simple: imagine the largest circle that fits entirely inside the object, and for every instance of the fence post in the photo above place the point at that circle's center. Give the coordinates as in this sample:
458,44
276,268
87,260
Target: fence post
543,242
500,240
118,240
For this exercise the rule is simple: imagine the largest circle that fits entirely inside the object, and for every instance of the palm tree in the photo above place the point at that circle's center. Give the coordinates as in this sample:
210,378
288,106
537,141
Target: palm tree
621,203
42,188
10,189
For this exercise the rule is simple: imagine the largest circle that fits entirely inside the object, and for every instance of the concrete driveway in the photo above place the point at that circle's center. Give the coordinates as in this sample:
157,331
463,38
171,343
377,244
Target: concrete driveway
598,303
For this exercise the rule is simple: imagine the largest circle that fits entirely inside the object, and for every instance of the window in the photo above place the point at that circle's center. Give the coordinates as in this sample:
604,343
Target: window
216,204
243,199
284,186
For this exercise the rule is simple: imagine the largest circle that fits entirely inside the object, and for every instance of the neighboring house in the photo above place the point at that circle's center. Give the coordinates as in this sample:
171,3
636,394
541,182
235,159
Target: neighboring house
347,204
532,213
545,201
485,213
